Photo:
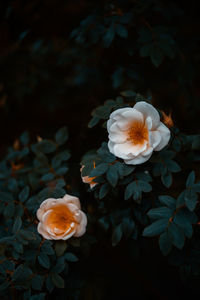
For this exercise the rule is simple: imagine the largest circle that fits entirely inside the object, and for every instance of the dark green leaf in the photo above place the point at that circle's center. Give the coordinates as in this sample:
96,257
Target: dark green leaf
103,190
156,228
17,224
37,282
121,31
165,243
99,170
190,179
61,136
71,257
177,236
23,196
57,280
44,260
117,235
60,247
168,201
167,179
160,212
112,175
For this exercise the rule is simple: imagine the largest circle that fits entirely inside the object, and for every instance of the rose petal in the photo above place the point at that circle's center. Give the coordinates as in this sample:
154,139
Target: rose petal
118,112
140,159
165,136
81,228
43,232
154,138
148,111
72,199
133,115
122,150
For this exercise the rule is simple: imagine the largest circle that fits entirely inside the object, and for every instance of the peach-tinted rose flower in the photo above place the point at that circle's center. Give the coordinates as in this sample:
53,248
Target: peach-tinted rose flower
135,132
87,179
61,218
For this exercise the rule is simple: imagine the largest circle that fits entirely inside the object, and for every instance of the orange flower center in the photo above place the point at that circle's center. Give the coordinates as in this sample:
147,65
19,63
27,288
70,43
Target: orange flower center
60,219
138,133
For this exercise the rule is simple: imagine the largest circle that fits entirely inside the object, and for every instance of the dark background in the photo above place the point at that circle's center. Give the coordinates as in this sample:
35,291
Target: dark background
48,80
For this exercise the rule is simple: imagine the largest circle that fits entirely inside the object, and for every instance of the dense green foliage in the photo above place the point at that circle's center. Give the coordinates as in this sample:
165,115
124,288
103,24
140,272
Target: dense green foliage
58,62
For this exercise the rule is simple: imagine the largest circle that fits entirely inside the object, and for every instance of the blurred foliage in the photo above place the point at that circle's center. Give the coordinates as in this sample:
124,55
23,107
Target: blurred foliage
58,62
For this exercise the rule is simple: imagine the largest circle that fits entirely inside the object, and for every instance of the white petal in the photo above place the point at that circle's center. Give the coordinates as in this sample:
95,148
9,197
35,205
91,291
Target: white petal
43,232
133,115
67,236
73,208
148,123
81,228
165,136
122,150
140,159
111,146
109,123
48,203
117,113
147,152
119,137
148,111
72,199
154,138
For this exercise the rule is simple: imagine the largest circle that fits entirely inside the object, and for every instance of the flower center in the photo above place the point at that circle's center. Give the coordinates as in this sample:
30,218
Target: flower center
60,219
138,133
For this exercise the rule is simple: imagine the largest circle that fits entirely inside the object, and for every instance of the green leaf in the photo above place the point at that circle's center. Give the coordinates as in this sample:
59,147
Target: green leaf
167,179
145,50
61,136
99,170
94,121
40,296
4,286
117,235
44,146
156,56
121,31
24,138
37,282
60,247
128,226
17,224
129,190
9,210
165,243
23,196
173,166
57,280
112,175
44,260
182,221
156,228
190,199
177,236
144,186
168,201
103,190
17,273
71,257
190,180
160,212
6,197
109,36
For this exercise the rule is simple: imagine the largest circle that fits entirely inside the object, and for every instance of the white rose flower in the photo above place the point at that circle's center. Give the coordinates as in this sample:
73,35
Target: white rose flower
61,218
135,132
